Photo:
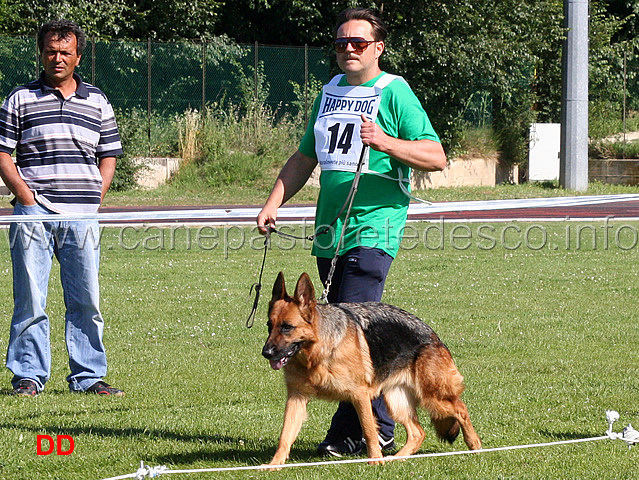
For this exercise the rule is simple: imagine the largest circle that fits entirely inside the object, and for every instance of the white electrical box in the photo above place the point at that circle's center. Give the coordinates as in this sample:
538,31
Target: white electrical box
543,156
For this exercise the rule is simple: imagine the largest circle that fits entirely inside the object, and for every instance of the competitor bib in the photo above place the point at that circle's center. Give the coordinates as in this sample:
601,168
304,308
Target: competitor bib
338,142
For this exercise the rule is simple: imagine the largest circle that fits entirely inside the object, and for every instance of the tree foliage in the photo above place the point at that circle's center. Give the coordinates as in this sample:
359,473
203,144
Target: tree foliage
297,22
157,19
626,11
456,54
450,51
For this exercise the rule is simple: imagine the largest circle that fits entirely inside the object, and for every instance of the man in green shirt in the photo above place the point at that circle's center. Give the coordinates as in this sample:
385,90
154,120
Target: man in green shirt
370,114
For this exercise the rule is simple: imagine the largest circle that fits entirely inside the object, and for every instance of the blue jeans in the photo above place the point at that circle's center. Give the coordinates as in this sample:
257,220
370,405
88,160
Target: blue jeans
359,277
77,248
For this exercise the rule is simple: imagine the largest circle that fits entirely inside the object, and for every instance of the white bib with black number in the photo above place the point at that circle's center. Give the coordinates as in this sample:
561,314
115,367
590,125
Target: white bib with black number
338,142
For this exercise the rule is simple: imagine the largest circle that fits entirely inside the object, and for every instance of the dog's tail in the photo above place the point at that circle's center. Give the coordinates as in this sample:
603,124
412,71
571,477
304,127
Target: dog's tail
447,429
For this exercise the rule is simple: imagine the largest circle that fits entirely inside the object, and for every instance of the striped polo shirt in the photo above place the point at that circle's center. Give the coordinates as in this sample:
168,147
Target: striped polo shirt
58,142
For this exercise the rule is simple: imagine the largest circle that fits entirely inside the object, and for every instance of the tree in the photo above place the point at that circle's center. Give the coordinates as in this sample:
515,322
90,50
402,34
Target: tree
96,17
158,19
456,54
611,41
453,50
172,19
628,12
281,22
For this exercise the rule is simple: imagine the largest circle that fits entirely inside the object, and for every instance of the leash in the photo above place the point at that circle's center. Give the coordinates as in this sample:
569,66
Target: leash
349,200
257,287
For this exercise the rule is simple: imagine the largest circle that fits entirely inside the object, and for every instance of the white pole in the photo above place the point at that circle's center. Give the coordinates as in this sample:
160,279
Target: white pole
573,174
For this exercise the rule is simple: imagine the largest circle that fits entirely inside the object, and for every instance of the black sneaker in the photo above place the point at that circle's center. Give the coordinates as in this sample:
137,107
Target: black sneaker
386,443
26,388
103,388
339,448
348,446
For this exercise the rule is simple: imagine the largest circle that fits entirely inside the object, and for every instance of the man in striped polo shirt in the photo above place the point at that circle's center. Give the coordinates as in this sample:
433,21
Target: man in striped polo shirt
66,140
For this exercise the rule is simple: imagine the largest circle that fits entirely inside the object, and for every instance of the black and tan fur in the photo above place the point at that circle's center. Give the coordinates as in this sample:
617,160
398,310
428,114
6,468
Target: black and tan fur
355,352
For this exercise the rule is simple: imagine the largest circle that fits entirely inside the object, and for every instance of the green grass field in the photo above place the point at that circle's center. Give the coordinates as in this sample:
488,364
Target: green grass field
543,323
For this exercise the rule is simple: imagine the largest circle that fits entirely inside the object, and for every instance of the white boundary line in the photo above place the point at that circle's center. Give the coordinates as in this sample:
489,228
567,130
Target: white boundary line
393,458
152,472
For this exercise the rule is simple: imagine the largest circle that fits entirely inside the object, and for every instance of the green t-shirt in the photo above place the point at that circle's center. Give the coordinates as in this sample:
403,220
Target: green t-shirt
378,215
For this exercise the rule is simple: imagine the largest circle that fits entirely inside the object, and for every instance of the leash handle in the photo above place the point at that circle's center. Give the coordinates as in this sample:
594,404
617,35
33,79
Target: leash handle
310,238
257,286
251,318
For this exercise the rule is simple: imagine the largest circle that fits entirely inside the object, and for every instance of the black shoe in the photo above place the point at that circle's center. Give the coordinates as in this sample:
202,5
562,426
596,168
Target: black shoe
339,448
386,443
348,446
103,388
26,388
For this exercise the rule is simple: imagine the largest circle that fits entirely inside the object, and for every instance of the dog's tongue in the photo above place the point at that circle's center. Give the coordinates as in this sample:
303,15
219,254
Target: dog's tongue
277,364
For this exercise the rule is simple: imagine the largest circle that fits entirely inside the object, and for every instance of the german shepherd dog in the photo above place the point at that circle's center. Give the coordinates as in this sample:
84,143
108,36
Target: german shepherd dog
355,352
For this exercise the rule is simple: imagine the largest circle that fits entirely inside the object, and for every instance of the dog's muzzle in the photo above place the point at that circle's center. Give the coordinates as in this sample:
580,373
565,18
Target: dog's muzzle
278,359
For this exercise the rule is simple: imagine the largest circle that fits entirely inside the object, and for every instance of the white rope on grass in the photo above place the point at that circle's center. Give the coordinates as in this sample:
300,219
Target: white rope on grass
628,435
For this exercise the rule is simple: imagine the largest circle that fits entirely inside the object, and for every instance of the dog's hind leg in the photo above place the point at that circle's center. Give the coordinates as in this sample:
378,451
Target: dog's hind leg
441,386
402,407
461,415
294,416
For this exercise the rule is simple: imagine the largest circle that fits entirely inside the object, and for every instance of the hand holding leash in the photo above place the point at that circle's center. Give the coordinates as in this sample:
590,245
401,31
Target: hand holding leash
266,221
372,135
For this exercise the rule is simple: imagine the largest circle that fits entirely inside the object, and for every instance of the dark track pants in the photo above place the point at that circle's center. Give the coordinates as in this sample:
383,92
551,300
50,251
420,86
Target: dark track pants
359,277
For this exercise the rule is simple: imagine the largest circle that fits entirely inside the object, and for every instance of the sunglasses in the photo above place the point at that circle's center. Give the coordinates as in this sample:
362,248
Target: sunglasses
359,44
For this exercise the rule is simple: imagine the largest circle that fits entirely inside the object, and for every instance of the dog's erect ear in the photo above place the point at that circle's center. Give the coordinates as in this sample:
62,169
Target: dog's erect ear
279,288
305,294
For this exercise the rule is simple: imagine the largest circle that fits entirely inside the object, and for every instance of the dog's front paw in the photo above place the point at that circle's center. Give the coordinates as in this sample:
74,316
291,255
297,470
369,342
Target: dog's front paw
273,464
375,455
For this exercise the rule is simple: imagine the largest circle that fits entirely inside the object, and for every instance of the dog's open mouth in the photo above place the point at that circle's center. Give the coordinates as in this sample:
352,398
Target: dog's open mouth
278,363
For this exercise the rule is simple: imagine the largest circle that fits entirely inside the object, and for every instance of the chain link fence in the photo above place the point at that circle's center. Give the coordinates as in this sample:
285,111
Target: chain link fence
169,78
631,83
614,90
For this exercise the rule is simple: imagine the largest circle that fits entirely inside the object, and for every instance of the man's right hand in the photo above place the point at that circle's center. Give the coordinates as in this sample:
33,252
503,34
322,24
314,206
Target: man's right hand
266,219
14,181
292,177
26,200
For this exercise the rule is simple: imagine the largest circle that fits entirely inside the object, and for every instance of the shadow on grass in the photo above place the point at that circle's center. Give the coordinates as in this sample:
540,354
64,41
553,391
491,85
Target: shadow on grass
49,392
243,457
560,436
548,184
119,432
213,449
231,453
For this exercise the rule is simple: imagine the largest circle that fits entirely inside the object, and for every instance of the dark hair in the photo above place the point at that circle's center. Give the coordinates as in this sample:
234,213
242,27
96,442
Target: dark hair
379,28
62,29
